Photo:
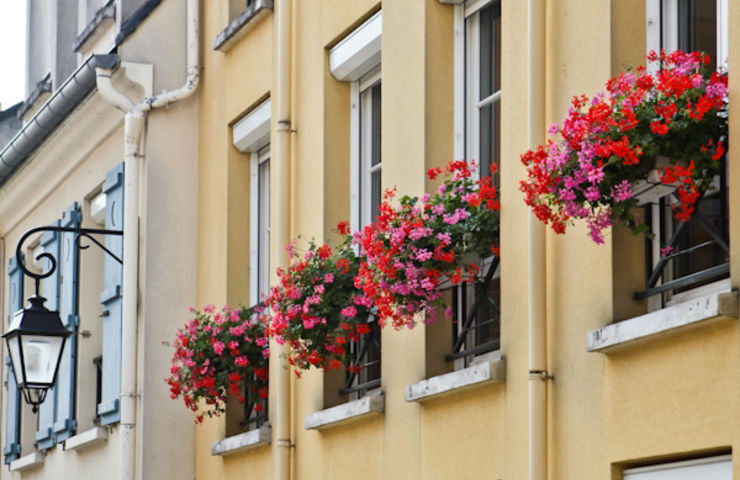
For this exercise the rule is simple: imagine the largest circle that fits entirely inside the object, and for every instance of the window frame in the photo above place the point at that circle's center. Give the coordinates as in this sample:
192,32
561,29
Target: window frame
259,276
662,33
644,473
467,141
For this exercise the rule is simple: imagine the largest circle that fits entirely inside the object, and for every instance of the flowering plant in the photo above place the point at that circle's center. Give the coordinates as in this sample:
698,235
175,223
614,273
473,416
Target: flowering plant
220,353
408,248
316,307
613,140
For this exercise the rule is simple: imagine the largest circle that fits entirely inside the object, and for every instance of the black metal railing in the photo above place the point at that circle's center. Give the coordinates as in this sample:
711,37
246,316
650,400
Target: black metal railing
696,252
255,410
363,362
476,314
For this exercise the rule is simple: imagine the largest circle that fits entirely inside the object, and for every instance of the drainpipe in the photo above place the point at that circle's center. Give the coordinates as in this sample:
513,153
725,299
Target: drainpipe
134,126
538,375
283,105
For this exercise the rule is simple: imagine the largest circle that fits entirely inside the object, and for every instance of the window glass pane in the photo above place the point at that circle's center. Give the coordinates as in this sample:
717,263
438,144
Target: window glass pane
263,241
697,27
370,156
490,83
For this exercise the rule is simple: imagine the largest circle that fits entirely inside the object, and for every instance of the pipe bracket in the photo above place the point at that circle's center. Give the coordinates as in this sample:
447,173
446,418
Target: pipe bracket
541,374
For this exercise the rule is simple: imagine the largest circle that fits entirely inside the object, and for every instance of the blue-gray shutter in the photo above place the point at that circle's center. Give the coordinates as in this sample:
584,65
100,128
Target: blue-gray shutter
50,291
109,406
12,449
65,423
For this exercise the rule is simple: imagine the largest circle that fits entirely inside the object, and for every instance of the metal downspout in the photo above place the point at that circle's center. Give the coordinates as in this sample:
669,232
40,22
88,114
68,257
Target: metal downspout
282,446
538,375
134,130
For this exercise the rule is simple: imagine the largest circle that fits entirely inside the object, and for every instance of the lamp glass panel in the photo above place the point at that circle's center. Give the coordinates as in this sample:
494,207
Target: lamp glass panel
41,355
15,357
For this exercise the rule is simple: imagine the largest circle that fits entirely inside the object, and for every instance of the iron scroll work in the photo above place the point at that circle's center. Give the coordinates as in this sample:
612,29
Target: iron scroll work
80,234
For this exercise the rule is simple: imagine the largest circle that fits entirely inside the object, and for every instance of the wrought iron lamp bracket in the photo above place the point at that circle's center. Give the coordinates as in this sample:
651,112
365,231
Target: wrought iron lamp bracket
80,233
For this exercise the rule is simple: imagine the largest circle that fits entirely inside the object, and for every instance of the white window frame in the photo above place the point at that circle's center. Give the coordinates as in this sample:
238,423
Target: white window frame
356,59
662,16
362,170
467,105
259,232
467,81
710,468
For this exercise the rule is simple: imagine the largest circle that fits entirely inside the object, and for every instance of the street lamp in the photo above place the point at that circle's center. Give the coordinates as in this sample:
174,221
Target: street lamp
35,341
36,335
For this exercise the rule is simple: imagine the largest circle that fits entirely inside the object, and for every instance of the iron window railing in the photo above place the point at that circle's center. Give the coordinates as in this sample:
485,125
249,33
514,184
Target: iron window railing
476,314
363,362
255,410
686,255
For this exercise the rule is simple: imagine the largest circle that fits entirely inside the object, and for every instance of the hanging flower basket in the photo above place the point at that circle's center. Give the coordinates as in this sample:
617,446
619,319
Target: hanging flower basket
220,353
672,123
316,307
414,249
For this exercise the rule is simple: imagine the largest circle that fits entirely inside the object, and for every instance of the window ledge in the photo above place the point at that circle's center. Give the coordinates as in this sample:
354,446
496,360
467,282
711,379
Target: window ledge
243,441
86,439
482,373
104,17
670,319
241,25
346,412
27,462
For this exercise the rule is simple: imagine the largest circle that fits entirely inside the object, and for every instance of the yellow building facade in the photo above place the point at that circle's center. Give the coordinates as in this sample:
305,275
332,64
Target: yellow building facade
309,108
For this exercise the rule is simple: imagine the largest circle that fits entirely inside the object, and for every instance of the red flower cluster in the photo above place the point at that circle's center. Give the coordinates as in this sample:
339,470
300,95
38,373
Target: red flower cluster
609,142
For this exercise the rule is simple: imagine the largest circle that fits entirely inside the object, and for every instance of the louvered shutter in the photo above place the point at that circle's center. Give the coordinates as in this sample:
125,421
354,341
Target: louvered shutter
50,291
65,423
109,407
12,449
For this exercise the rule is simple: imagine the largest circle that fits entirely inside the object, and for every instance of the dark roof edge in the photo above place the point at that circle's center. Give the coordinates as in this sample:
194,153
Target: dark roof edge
62,102
136,19
11,111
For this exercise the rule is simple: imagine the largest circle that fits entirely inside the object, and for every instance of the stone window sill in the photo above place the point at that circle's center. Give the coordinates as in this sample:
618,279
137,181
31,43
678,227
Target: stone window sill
473,376
27,462
86,439
668,320
346,412
244,22
243,441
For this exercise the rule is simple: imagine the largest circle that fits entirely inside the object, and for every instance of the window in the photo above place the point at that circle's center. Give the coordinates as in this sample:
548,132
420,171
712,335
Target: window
363,371
356,59
712,468
251,135
87,388
261,208
475,306
698,262
369,161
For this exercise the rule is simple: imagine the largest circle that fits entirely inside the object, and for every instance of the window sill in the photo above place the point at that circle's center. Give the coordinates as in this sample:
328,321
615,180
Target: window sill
473,376
346,412
86,439
655,324
104,18
241,25
27,462
243,441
